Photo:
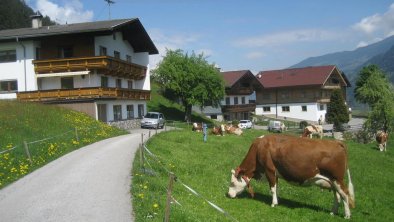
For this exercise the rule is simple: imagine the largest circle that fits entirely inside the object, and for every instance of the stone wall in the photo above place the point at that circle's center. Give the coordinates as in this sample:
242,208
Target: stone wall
126,124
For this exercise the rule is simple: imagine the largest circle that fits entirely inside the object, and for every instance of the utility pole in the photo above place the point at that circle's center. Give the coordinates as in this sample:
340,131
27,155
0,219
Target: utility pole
109,7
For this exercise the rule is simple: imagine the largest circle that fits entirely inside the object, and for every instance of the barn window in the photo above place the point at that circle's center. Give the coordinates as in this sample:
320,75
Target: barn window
285,108
130,111
266,108
304,108
8,86
117,112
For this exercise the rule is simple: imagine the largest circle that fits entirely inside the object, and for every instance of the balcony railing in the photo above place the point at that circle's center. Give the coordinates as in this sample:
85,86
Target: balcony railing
239,108
83,93
108,65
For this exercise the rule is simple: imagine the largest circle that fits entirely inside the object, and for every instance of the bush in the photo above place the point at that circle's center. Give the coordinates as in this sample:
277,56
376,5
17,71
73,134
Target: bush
364,136
303,124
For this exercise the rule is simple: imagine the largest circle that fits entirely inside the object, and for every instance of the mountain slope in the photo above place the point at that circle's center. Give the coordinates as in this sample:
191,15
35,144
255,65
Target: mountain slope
385,61
350,62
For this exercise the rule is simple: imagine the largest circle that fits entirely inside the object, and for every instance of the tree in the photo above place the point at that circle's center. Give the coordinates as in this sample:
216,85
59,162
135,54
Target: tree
337,111
191,78
374,89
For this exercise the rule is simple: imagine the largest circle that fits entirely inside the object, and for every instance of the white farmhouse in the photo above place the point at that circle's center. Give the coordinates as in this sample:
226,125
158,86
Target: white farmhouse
101,68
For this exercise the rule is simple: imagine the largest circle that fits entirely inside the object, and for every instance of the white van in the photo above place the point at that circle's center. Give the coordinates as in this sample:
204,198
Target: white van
275,126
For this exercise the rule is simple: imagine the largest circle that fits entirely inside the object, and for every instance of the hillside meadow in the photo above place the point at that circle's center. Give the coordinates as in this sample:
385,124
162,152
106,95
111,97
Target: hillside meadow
47,131
205,167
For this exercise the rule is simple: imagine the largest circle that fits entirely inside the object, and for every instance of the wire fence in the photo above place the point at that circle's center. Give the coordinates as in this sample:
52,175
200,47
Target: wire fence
22,158
147,157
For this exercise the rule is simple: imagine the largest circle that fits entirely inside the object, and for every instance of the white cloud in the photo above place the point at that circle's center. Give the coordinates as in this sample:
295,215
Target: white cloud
365,43
71,12
288,37
383,23
172,42
254,55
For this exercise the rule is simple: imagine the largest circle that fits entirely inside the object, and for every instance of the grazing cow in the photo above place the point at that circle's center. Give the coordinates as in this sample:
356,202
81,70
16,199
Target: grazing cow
381,138
197,127
299,161
230,129
313,129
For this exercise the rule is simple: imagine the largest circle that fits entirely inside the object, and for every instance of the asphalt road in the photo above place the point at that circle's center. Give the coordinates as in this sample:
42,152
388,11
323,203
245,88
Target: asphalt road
89,184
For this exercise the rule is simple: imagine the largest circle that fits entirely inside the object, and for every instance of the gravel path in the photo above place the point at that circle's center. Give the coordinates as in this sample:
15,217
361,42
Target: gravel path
89,184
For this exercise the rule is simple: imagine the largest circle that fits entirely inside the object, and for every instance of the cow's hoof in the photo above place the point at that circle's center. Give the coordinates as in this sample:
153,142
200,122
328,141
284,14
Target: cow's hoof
347,217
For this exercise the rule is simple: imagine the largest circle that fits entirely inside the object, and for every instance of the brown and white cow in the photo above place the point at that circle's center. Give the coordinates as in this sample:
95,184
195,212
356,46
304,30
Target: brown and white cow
309,131
300,161
230,129
219,131
381,138
197,127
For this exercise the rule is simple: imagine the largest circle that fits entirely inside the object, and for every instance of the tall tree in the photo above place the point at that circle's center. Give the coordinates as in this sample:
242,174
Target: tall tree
374,89
191,78
337,111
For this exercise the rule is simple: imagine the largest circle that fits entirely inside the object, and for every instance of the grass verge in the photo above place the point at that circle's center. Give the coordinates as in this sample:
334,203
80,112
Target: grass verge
205,167
49,132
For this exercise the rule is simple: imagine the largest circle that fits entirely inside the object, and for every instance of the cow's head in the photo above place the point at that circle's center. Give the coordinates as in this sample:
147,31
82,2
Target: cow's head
237,184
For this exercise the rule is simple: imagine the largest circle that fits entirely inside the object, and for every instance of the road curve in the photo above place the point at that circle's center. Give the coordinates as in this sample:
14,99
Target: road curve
89,184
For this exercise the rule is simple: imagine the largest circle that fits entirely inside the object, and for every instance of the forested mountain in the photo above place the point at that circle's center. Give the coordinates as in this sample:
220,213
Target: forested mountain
16,14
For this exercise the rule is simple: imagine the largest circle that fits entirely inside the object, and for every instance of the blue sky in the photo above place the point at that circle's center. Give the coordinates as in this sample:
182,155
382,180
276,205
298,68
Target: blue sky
242,34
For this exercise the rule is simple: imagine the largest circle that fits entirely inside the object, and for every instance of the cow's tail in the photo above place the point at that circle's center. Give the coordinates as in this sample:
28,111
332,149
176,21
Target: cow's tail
351,190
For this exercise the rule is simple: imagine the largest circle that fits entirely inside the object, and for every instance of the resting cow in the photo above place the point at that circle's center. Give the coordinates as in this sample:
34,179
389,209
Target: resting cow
300,161
381,138
230,129
219,131
197,127
313,129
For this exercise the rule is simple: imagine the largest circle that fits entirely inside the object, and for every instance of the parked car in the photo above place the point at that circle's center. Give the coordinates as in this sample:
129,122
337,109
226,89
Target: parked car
245,124
153,120
275,126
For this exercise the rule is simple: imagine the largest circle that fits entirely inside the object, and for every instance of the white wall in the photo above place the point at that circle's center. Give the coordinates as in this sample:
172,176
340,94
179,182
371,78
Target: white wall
123,103
16,70
313,112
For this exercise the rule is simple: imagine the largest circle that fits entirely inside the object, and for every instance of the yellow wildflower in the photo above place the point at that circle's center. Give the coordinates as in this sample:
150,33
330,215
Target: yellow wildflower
155,205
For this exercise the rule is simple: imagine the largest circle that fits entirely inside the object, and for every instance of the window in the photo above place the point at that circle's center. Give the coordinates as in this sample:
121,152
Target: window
130,111
117,112
334,81
141,110
117,54
67,82
321,107
235,100
128,58
304,108
266,108
227,100
214,116
8,56
243,99
38,53
104,81
285,109
130,84
8,86
103,51
65,52
118,83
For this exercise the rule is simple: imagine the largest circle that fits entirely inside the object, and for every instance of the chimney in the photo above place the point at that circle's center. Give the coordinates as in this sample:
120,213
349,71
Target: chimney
36,20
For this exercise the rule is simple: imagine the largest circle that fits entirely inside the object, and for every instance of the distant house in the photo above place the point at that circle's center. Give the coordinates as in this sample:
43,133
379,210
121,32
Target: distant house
101,68
238,102
299,93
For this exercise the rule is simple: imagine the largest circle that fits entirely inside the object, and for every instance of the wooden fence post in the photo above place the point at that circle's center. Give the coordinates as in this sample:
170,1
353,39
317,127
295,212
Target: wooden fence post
168,203
27,152
76,134
142,157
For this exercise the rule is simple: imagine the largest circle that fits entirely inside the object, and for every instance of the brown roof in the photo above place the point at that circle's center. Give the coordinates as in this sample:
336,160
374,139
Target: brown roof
296,77
133,31
231,77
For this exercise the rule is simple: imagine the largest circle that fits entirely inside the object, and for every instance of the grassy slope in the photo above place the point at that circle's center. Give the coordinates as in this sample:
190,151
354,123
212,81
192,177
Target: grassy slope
31,122
206,168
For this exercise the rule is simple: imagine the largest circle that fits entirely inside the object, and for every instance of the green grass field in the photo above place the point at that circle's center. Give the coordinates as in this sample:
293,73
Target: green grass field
205,167
49,133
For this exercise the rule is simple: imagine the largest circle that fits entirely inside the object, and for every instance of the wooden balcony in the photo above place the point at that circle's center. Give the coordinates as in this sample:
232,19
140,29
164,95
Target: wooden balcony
83,93
239,91
239,108
106,64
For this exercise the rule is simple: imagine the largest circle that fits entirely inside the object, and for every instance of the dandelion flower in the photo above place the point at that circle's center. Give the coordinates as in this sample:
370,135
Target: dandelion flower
155,205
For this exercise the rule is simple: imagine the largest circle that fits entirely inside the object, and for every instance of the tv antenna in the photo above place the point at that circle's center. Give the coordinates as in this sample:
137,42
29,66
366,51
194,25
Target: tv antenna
109,7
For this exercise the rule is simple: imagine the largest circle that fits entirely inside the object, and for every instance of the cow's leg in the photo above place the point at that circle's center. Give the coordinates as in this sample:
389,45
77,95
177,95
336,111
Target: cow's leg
337,200
274,196
381,147
272,181
340,188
